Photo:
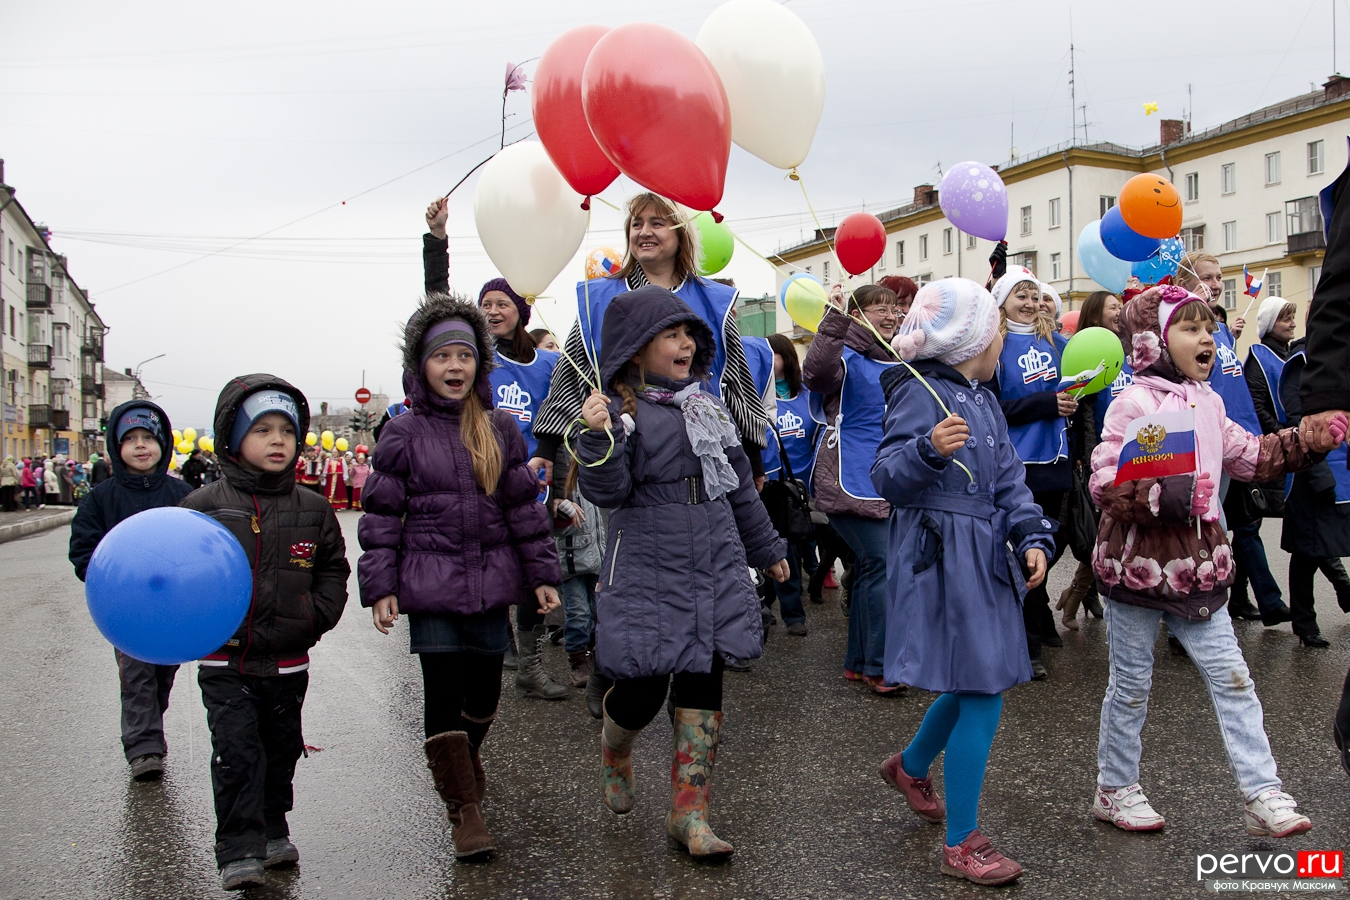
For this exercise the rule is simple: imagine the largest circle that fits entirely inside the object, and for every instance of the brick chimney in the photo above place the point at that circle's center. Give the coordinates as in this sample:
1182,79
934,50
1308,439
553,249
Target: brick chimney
925,195
1336,86
1172,130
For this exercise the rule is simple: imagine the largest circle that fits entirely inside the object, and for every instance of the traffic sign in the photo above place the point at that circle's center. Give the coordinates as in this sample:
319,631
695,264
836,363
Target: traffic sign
363,395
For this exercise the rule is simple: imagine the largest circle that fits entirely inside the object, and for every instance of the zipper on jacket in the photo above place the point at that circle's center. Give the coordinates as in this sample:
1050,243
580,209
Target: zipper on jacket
618,539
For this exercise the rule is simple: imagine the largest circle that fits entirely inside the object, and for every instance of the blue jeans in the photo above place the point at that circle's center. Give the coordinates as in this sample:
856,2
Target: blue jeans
867,538
1249,562
789,593
578,597
1131,632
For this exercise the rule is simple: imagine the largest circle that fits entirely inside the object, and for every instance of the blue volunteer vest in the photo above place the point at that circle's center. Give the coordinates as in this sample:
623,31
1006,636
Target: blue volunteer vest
1228,382
1102,402
710,300
798,431
520,388
862,410
1336,459
1271,367
1030,365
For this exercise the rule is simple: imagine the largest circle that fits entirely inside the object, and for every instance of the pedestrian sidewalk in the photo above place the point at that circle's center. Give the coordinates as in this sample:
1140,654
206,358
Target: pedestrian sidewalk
15,525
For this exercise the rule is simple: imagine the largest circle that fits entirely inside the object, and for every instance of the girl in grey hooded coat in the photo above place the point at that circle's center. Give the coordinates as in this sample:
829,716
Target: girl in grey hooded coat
675,594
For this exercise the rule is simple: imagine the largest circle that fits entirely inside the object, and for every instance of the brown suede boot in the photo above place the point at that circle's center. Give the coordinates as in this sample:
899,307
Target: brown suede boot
452,768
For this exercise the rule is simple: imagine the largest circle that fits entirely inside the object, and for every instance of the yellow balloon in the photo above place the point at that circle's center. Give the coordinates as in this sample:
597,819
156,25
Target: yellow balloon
204,443
210,445
190,435
805,299
327,440
185,446
311,439
173,462
341,444
177,437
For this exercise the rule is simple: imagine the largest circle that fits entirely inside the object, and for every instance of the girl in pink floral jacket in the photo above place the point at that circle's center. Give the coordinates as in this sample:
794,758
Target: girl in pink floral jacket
1162,556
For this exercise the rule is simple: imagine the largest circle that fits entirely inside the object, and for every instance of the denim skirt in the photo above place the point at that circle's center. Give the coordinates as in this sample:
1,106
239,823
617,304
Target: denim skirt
485,632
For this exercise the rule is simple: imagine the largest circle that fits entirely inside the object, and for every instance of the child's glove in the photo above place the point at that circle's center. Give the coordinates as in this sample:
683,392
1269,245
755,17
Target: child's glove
1204,491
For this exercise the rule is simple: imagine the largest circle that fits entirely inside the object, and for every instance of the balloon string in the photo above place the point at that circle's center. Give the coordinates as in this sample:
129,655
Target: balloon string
561,349
572,453
593,356
781,261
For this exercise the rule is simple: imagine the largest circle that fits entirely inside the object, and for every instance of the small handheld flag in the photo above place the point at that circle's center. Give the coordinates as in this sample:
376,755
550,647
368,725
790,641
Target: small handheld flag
1253,284
1157,446
1081,380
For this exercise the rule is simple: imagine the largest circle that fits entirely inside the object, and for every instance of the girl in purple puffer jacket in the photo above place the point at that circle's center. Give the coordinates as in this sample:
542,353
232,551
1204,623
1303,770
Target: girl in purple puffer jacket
453,535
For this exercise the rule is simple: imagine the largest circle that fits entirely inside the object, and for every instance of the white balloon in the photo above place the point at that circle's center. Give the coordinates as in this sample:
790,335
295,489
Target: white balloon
774,75
529,219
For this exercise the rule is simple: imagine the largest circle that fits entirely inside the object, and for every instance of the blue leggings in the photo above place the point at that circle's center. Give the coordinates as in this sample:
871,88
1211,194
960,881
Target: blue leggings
963,725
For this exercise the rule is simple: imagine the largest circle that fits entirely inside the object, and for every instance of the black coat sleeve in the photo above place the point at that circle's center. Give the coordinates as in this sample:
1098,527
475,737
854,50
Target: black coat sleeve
1326,380
1256,385
328,589
87,529
436,264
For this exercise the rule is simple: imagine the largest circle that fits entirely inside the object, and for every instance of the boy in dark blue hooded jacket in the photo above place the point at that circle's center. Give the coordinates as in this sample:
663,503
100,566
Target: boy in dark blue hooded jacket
142,447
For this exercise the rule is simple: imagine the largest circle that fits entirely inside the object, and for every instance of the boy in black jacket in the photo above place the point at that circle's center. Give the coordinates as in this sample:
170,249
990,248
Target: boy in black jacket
254,686
140,454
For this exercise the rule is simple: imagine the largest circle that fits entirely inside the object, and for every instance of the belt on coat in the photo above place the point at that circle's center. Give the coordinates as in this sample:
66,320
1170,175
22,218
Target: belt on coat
981,505
687,491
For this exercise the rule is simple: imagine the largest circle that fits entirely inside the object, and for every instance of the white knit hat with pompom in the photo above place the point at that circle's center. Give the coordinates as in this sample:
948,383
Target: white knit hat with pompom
951,320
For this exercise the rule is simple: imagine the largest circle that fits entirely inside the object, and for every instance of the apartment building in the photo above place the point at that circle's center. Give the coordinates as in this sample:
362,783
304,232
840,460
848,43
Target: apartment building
51,344
1249,188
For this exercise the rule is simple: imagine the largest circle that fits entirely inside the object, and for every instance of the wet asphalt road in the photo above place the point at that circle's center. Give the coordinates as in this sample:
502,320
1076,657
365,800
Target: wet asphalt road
795,788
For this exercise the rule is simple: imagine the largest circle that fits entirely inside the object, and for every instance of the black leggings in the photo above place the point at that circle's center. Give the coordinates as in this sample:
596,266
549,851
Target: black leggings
830,547
1036,615
460,692
1301,599
634,702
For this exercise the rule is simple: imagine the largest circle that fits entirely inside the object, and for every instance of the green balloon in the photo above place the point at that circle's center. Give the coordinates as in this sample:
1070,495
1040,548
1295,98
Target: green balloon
1088,349
717,244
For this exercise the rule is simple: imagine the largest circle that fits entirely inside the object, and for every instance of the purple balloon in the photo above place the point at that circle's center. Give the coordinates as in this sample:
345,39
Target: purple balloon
972,196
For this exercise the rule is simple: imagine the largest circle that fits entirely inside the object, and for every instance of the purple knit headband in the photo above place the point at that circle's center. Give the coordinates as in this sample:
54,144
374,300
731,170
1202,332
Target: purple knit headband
448,331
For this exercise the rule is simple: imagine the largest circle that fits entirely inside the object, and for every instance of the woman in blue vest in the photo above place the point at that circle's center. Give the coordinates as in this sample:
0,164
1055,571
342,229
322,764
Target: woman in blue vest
1028,373
520,380
1316,531
844,366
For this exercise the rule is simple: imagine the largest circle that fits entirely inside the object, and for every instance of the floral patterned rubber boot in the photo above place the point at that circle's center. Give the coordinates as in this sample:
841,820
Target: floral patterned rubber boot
697,732
616,757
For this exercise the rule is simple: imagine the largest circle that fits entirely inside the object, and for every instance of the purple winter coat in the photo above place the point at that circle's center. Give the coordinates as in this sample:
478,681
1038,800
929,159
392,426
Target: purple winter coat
674,587
431,536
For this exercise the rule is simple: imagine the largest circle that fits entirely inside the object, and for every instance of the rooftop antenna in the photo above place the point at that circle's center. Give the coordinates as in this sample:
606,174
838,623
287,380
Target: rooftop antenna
1334,69
1190,107
1073,101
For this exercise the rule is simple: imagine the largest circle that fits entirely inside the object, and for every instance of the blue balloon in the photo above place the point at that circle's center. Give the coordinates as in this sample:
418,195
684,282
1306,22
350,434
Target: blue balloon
1123,242
168,585
1161,264
1103,268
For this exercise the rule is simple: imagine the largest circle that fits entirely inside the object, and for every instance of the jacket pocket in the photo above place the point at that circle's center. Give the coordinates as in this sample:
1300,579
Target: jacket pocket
930,544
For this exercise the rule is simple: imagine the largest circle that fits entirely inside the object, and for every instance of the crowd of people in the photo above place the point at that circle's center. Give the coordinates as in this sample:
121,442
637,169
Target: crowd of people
661,481
36,482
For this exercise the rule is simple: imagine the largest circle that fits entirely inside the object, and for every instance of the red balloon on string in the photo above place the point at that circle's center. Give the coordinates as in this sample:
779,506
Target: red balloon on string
559,119
658,110
860,242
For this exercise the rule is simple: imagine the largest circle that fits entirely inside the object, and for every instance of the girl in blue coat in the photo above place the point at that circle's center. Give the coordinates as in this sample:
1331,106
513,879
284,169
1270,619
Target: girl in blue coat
675,595
963,521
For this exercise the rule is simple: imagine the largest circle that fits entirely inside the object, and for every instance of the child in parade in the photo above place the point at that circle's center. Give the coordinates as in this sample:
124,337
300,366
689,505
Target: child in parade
675,595
579,533
1026,378
144,440
254,686
960,499
360,471
1156,563
453,535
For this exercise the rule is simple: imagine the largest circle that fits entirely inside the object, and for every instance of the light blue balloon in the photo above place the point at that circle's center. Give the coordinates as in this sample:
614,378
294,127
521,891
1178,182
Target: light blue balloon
1161,264
1103,268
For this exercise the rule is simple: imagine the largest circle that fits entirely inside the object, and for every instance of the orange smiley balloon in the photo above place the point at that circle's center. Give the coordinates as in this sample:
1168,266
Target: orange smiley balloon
1151,206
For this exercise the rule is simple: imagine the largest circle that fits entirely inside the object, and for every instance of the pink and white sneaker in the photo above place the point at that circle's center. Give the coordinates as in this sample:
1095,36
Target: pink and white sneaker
1126,808
918,792
1273,813
976,860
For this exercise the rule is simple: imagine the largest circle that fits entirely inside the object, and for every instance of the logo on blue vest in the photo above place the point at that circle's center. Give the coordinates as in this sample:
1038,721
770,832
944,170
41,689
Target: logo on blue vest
514,400
1037,365
1228,361
790,425
1123,380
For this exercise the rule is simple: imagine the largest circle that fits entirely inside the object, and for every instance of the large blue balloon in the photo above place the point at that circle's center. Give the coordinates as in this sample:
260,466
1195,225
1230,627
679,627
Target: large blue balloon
1103,268
1161,264
168,585
1123,242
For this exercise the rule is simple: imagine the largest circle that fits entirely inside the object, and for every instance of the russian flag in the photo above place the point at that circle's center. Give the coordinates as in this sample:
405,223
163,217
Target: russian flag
1157,446
1081,380
1253,285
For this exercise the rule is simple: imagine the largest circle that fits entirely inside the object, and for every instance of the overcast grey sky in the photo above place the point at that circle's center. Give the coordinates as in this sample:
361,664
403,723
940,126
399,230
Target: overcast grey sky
147,135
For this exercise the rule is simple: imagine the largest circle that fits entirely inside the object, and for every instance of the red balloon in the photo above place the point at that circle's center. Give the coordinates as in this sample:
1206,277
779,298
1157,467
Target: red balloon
658,110
1068,323
860,242
559,119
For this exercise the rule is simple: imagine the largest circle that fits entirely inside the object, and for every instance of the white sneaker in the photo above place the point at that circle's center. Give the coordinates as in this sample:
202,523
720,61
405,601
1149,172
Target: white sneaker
1273,813
1126,808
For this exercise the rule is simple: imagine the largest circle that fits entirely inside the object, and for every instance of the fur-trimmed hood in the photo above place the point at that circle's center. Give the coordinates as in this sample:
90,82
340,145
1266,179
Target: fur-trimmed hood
437,308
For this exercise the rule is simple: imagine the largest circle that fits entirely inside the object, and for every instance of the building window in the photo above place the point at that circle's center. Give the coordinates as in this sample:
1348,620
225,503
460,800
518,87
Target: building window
1230,293
1315,158
1314,276
1304,215
1274,284
827,271
1273,168
923,279
947,241
881,263
1054,267
1054,213
1228,175
899,254
1229,237
1192,187
1106,204
1193,238
1273,228
808,270
1026,220
11,256
970,242
923,247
